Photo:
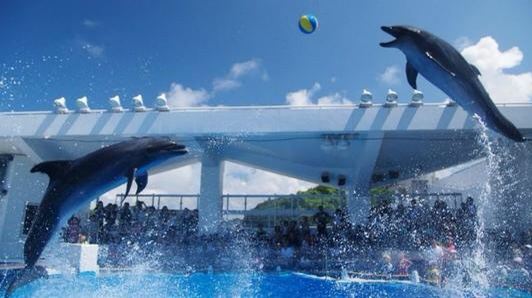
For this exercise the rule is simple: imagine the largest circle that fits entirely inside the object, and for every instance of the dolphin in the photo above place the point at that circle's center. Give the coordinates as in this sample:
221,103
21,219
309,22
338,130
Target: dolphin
442,65
73,183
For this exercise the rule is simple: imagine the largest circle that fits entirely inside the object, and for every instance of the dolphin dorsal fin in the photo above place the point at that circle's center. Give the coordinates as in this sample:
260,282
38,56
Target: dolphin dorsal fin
475,69
53,169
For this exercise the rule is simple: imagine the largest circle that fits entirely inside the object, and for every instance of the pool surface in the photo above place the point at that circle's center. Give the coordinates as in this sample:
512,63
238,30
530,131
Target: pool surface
229,285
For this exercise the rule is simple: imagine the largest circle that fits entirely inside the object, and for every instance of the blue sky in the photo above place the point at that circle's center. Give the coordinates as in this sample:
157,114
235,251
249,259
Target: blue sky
251,50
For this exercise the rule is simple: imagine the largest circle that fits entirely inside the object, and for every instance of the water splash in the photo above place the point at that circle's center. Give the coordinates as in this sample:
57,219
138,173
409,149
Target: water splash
477,264
477,272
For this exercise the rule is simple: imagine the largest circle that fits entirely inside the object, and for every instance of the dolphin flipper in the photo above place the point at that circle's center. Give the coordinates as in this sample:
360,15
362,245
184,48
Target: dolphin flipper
411,75
142,181
130,176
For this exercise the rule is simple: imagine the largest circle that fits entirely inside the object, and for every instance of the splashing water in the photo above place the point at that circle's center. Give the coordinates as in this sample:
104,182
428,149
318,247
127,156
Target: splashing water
477,265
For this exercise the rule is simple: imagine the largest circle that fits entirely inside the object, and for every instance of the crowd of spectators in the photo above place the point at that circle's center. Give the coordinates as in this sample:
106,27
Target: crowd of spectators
395,241
140,224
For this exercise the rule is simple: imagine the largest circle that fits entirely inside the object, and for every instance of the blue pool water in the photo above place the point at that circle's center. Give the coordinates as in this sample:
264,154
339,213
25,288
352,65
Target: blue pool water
229,285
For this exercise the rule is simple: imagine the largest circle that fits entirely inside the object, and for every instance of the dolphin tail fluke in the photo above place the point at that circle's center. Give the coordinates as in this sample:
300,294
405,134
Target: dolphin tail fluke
24,277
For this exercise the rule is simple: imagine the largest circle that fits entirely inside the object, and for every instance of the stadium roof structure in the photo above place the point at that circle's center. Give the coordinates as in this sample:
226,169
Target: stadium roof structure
352,147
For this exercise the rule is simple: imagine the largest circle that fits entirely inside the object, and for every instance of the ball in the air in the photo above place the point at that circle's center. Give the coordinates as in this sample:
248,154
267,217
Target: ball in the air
308,23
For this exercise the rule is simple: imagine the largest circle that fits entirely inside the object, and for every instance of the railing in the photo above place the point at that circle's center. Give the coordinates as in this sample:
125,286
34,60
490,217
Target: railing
270,209
189,201
271,107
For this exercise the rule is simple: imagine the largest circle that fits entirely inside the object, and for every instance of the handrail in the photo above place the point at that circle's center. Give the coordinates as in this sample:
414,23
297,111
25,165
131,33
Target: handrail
270,216
270,107
242,208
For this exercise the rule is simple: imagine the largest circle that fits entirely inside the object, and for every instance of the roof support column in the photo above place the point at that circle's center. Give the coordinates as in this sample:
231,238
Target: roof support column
211,189
23,187
358,198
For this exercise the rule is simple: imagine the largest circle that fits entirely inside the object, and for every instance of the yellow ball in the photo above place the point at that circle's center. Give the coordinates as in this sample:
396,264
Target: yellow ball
308,23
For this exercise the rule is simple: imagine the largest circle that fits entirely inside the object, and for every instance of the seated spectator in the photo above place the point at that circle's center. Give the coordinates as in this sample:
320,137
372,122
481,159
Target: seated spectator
433,275
287,251
387,266
164,216
138,212
434,254
293,234
284,227
125,215
261,236
449,249
92,229
99,214
321,218
83,239
304,227
111,213
73,230
403,265
277,236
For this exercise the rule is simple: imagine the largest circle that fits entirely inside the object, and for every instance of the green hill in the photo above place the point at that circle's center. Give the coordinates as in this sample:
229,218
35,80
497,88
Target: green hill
328,197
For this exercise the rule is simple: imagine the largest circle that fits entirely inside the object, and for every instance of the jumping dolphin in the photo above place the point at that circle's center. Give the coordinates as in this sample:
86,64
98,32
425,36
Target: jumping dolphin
73,183
442,65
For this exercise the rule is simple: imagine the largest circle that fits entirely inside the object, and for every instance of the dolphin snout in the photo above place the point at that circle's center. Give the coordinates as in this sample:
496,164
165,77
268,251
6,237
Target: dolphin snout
174,147
387,29
393,32
169,146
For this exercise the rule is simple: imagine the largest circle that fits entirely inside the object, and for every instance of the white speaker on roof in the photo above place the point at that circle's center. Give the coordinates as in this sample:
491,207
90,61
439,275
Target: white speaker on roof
366,99
60,105
116,106
83,105
417,99
161,103
139,103
391,99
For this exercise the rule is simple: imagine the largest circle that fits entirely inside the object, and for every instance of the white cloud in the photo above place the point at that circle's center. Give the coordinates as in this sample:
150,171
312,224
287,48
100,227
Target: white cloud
334,99
242,68
462,42
245,180
90,23
224,84
181,96
302,97
93,50
305,97
493,63
238,70
390,75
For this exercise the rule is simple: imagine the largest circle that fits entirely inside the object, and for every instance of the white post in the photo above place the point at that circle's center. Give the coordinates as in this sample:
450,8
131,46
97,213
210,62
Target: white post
22,187
211,188
358,198
358,205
